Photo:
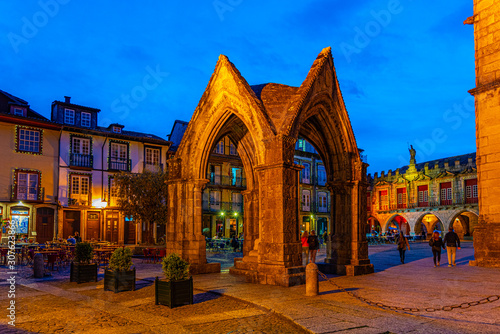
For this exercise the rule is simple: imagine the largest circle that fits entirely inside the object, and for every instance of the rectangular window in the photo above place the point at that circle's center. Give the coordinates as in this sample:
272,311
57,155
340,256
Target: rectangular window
471,191
85,119
322,202
117,129
401,193
306,200
18,112
69,116
306,173
28,140
215,174
232,149
423,195
383,200
321,175
219,148
80,189
27,186
81,145
445,191
237,202
152,156
119,156
236,177
215,200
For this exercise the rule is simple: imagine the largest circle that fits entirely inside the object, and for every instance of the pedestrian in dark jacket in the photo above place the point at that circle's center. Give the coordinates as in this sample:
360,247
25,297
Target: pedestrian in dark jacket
313,242
403,244
452,243
235,244
436,243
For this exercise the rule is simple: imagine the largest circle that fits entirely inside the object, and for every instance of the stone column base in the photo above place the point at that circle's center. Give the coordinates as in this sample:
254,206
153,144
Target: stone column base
205,268
268,274
486,246
359,269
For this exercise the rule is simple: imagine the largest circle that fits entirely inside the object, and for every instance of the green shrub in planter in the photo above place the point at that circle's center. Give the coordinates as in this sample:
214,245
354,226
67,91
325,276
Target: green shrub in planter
118,276
81,269
177,289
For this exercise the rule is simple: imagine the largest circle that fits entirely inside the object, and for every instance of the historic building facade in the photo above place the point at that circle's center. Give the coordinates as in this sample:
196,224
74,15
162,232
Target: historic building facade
486,21
421,198
28,172
90,156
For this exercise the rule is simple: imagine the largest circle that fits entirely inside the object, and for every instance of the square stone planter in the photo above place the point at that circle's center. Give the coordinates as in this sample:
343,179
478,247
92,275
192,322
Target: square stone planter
118,281
174,293
83,272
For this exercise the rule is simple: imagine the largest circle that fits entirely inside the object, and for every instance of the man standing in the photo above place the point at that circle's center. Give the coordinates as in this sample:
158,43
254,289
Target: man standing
452,242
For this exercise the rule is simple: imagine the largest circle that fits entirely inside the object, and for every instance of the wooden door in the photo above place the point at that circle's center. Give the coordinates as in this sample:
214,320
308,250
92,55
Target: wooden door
44,225
112,226
93,230
129,236
71,223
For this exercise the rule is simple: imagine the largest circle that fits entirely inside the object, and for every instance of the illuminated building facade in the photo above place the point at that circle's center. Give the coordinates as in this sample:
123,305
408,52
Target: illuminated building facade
28,181
421,198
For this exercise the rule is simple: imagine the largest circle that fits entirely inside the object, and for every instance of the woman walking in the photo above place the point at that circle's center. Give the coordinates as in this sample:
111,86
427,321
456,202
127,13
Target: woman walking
305,247
402,246
436,243
313,246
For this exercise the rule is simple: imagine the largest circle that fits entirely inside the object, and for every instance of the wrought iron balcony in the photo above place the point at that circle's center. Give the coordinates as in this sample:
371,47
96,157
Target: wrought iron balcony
81,160
120,164
230,181
222,206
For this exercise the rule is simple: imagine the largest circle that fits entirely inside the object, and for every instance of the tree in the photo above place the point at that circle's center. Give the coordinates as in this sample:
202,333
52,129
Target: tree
144,197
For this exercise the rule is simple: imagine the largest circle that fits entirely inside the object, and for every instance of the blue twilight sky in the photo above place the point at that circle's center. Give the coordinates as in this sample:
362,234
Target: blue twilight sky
404,66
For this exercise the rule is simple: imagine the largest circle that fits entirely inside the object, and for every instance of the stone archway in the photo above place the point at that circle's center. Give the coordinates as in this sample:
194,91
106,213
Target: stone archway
264,122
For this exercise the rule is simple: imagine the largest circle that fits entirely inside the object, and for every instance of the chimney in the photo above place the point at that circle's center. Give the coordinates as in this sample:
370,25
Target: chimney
67,99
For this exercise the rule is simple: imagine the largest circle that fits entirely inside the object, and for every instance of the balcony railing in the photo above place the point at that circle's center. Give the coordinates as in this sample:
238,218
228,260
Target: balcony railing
31,195
222,206
429,204
81,160
216,179
120,164
153,167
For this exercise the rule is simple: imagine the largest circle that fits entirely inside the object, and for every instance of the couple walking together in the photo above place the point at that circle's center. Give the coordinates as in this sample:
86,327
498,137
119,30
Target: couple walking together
310,245
451,242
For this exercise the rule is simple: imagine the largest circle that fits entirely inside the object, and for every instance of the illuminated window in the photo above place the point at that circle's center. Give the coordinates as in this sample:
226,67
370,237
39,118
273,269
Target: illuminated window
322,202
383,200
219,148
80,189
306,200
27,186
152,156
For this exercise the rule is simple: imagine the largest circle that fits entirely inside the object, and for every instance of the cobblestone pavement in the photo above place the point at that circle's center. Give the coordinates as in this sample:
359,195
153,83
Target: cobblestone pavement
54,305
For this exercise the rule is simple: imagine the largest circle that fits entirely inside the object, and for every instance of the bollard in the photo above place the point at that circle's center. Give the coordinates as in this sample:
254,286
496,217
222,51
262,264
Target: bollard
312,284
38,265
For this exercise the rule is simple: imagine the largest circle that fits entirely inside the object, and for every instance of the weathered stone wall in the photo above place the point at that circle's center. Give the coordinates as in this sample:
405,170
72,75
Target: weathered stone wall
486,22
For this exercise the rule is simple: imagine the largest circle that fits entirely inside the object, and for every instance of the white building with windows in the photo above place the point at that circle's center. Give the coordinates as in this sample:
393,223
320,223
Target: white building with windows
89,158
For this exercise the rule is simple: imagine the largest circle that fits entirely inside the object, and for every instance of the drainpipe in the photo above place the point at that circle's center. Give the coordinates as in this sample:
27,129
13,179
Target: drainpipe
58,183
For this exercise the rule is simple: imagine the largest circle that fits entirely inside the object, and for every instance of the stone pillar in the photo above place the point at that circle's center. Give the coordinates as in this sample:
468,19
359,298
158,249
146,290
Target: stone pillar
251,221
487,103
184,226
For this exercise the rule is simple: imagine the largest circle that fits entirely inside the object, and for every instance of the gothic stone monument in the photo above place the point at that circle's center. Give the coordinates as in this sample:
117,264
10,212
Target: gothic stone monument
264,122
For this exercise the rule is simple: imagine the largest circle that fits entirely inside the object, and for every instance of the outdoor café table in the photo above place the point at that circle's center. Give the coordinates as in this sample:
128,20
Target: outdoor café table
102,255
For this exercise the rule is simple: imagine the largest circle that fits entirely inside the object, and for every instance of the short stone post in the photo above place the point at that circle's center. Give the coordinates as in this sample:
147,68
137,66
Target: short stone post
38,265
312,283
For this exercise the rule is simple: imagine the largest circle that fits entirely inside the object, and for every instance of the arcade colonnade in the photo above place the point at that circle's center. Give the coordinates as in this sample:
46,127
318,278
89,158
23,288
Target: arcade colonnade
264,122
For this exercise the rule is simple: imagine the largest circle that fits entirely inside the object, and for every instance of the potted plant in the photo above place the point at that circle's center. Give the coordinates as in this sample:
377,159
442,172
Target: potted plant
81,268
177,288
118,276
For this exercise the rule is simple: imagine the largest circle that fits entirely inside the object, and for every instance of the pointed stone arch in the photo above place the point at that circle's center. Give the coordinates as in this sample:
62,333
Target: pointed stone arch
265,121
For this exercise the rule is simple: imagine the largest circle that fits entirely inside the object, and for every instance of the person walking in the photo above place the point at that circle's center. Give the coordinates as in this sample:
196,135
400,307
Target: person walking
305,246
436,243
403,244
313,246
452,242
